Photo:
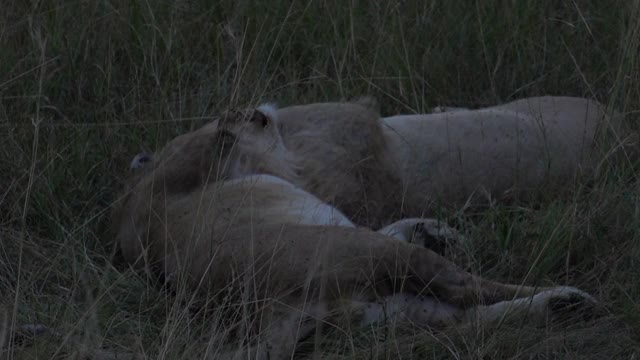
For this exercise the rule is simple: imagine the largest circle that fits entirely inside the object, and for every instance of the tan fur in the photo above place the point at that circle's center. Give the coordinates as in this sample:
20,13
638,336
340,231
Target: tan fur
261,240
380,170
413,161
343,158
515,147
260,135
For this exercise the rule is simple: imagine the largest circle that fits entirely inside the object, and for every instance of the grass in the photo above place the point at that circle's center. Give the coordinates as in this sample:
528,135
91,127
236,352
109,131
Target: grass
84,85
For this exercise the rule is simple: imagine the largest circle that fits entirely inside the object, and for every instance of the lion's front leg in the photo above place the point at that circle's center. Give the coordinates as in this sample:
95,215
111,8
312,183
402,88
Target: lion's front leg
433,234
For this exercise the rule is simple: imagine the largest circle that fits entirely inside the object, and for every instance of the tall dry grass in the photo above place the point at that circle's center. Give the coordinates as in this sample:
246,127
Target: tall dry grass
84,85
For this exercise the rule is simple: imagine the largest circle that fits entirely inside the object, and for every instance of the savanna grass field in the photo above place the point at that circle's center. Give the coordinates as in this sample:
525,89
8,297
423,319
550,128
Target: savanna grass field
85,85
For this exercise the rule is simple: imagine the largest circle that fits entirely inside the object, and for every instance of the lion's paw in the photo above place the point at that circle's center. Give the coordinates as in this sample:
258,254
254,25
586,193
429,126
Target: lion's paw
437,236
566,301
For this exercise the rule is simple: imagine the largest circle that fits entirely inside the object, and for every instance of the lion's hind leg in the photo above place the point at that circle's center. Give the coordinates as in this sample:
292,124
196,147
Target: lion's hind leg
427,311
555,302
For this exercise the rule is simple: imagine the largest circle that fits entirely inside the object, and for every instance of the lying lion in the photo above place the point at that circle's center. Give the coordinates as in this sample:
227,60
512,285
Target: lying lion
213,214
370,167
380,170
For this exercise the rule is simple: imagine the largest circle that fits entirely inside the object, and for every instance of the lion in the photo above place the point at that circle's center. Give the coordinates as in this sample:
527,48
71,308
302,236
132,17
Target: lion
378,170
214,213
341,155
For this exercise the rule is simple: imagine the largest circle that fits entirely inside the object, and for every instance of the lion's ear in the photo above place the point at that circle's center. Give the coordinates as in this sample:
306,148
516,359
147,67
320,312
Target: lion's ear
368,102
230,117
265,115
259,119
262,117
140,161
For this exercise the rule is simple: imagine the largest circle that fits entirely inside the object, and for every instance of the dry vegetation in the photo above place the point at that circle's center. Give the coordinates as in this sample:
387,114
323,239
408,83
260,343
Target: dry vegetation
84,85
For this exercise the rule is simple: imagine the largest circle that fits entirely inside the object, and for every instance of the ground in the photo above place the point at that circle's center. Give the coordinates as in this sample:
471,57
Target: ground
85,85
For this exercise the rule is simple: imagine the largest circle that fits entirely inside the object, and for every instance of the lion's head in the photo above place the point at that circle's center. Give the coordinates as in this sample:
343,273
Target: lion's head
232,145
